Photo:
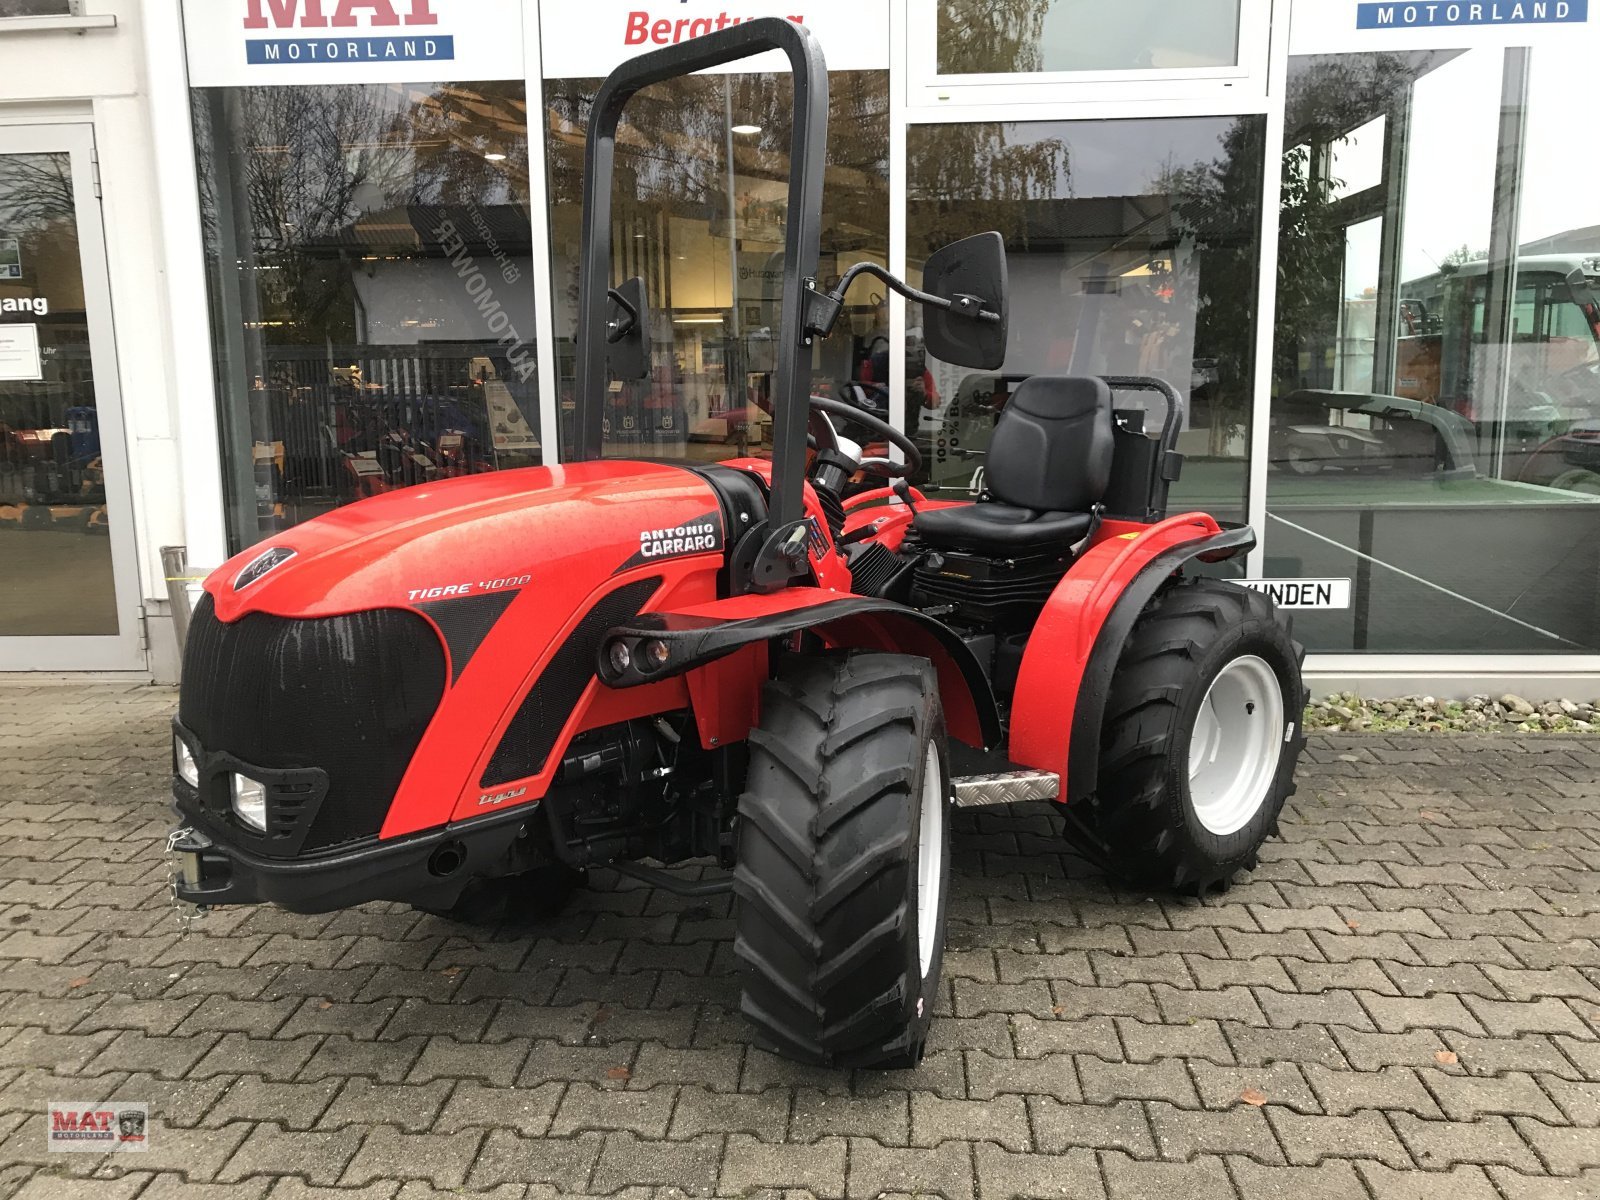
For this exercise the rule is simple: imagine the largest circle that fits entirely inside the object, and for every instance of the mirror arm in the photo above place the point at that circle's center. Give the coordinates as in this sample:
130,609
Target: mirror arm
823,308
618,329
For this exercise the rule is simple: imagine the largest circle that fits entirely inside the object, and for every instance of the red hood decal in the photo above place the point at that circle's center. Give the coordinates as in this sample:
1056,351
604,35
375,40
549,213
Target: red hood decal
473,536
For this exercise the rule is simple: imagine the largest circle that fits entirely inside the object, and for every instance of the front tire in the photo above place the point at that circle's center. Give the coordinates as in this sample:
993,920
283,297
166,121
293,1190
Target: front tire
844,860
1201,736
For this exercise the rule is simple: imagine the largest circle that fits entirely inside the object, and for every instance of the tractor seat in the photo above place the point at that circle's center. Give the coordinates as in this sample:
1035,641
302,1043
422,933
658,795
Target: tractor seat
1048,466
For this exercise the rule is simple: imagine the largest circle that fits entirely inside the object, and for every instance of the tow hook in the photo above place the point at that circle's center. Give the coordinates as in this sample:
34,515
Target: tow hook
186,844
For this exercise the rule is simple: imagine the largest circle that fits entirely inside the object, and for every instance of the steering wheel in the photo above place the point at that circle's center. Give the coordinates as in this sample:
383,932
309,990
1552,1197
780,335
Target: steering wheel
886,467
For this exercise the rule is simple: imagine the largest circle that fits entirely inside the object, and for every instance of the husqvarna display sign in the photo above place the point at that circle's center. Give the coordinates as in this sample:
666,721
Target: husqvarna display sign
587,40
236,43
1341,26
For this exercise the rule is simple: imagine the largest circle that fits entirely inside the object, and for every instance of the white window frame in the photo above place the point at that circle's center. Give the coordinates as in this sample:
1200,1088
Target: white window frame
1240,86
1028,99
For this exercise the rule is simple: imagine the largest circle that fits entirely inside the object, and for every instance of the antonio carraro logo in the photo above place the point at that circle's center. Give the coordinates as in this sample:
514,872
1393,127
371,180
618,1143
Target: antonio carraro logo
260,565
681,539
345,31
701,535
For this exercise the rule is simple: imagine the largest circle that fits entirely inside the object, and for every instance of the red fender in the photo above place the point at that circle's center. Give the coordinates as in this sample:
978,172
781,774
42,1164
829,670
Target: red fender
1066,669
699,637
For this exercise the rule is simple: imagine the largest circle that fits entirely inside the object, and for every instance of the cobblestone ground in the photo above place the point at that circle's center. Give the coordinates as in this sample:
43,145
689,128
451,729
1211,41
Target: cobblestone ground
1403,1002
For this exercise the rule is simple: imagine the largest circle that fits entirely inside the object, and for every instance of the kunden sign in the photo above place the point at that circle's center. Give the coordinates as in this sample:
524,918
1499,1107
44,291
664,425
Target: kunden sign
586,40
234,43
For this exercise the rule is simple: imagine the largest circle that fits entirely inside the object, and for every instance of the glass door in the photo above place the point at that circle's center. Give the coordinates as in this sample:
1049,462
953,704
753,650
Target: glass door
68,587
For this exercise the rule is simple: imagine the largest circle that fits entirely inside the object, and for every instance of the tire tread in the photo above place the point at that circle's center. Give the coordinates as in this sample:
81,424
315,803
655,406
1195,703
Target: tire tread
825,845
1127,823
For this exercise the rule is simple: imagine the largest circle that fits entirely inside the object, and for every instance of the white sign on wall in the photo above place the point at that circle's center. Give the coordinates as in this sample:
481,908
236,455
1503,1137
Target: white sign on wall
1303,593
238,43
19,353
587,40
1347,26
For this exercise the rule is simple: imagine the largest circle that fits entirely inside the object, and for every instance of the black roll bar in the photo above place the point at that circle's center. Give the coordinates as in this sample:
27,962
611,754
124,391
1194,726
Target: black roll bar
1165,464
802,239
1172,420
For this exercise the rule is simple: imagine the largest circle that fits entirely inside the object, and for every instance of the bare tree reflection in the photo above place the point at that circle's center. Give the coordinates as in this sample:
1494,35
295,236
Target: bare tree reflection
35,189
672,146
1216,218
996,166
35,8
982,36
311,180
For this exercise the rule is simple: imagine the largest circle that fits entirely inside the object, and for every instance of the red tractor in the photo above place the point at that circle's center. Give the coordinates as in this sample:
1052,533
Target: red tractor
463,694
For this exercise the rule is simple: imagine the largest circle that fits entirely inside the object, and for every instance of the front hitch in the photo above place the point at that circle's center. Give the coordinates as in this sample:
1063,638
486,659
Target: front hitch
202,874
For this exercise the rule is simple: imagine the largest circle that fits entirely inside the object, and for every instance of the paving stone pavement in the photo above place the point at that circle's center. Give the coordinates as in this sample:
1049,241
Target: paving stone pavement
1402,1002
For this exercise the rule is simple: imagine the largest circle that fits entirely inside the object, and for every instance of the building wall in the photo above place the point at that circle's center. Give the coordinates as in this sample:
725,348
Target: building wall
101,76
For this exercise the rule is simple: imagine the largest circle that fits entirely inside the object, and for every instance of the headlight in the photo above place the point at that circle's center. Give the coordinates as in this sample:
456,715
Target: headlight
620,657
188,769
653,654
250,801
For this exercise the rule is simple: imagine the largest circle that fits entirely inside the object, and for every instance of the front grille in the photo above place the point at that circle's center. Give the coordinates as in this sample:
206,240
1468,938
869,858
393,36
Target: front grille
533,730
351,695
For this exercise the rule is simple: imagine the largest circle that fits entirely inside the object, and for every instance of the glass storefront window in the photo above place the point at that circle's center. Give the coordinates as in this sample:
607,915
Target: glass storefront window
979,37
1356,159
36,8
1133,249
56,562
1435,429
369,254
702,172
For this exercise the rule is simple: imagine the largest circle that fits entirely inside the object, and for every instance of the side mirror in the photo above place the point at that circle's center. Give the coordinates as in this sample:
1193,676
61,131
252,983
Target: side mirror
628,331
972,274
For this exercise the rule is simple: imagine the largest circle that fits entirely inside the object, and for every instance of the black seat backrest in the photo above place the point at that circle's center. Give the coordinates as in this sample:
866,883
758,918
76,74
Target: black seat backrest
1052,445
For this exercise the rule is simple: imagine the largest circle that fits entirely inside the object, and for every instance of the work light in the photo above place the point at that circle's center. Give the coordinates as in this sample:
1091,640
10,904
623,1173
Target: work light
188,769
250,801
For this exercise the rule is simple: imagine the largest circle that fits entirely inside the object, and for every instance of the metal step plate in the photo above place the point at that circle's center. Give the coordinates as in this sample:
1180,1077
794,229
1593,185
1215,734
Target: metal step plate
1008,787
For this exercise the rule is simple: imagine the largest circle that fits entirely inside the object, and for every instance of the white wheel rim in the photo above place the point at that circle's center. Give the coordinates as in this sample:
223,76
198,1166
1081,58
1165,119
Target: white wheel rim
930,858
1235,745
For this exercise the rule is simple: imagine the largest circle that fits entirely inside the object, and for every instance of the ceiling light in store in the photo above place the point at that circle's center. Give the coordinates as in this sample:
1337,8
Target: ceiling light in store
697,320
494,156
747,130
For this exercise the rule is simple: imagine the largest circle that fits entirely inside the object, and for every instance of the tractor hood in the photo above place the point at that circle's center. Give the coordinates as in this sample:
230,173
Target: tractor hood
577,524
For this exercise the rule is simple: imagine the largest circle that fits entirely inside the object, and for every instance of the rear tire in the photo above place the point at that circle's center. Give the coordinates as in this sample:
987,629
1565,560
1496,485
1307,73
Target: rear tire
844,860
1201,736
